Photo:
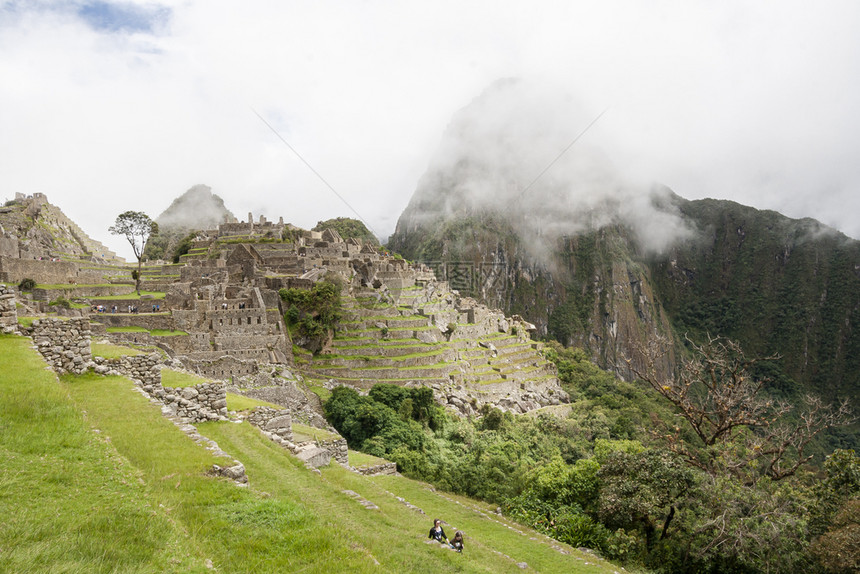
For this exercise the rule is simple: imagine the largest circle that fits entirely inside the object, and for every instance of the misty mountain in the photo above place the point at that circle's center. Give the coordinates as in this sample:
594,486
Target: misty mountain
598,260
196,209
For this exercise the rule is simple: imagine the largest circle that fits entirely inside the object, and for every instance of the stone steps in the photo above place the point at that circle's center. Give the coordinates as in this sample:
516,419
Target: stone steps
516,356
430,358
484,376
391,323
390,350
379,373
393,333
390,342
366,383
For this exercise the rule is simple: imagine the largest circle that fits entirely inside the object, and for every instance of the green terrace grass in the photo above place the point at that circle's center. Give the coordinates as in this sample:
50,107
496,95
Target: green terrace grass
26,321
129,329
132,295
359,459
70,502
320,391
303,432
242,403
174,379
65,286
167,332
320,358
96,480
393,538
111,351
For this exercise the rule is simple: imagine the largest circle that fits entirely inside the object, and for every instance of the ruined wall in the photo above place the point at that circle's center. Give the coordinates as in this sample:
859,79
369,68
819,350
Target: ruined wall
65,345
13,270
8,311
178,343
387,468
338,449
273,421
223,367
200,403
140,319
8,246
143,369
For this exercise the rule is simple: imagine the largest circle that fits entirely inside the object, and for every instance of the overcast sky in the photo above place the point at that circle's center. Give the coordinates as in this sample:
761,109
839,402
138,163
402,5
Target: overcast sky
111,106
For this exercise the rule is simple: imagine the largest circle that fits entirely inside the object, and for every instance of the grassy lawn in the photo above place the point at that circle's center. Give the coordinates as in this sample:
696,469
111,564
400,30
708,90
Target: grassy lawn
322,392
304,432
111,351
126,330
96,480
70,502
171,378
167,333
242,403
26,321
66,286
361,459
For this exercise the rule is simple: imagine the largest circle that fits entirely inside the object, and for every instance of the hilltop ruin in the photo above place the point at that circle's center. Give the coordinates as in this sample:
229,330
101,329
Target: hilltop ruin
221,304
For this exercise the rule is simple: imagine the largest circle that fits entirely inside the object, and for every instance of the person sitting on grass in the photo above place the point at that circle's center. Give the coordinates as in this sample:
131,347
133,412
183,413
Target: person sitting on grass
437,533
457,541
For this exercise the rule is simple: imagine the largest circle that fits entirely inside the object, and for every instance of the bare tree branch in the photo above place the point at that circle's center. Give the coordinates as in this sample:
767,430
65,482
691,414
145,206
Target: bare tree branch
740,430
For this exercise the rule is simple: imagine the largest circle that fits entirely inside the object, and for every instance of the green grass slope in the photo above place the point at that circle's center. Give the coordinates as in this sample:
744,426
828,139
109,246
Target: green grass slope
96,480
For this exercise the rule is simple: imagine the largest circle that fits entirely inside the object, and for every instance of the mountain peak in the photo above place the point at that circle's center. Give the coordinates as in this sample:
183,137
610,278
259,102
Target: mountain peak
197,208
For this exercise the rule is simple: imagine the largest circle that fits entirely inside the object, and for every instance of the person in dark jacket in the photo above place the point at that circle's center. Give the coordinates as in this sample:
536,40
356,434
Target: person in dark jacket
457,541
437,532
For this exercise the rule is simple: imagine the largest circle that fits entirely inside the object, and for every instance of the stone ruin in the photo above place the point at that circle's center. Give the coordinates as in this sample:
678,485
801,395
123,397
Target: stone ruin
225,296
8,310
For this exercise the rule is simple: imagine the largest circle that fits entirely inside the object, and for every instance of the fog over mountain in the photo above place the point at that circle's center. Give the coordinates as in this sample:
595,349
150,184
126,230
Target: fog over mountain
525,148
121,105
197,208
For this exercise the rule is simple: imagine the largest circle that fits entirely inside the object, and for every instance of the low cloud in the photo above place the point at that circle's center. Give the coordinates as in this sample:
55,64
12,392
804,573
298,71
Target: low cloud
514,151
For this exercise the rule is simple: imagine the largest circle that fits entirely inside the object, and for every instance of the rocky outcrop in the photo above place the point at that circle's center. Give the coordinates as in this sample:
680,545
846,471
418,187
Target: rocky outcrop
34,229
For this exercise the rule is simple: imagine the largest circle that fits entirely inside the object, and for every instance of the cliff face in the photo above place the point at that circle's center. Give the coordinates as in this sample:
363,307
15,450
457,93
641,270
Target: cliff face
600,263
778,285
587,290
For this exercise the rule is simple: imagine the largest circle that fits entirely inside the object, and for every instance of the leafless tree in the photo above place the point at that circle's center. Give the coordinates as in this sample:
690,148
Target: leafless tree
737,427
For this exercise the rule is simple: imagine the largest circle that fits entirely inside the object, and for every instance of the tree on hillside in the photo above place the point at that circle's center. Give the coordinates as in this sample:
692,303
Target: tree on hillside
136,226
733,426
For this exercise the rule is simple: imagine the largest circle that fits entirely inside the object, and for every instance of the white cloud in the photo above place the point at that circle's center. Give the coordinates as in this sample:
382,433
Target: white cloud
751,102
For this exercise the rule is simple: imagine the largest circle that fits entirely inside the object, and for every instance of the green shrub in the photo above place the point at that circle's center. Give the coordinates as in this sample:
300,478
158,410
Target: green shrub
27,284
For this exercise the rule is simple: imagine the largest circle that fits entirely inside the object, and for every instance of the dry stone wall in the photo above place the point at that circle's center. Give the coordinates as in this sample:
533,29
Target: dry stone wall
200,403
8,310
277,425
387,468
337,448
273,421
65,345
142,369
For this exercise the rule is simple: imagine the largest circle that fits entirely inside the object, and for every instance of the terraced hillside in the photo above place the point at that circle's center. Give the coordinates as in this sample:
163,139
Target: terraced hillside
98,481
428,335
